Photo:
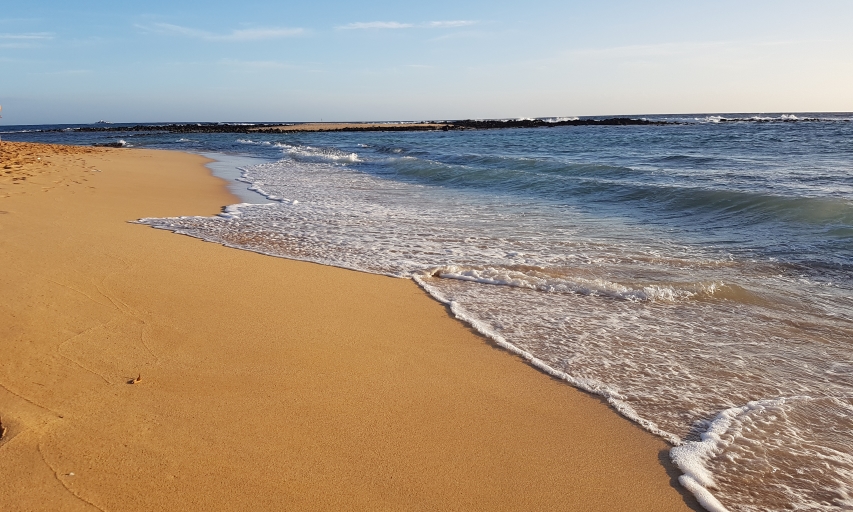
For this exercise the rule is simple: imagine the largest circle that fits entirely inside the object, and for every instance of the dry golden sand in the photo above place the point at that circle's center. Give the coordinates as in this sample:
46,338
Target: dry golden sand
266,384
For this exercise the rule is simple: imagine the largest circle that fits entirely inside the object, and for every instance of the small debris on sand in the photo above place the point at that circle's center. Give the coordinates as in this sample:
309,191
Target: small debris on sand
137,379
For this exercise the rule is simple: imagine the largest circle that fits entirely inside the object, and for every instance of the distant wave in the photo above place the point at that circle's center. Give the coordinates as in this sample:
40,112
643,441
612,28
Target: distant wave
610,183
762,118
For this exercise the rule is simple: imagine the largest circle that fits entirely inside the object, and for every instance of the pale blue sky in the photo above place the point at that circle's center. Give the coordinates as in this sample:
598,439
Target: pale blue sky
254,60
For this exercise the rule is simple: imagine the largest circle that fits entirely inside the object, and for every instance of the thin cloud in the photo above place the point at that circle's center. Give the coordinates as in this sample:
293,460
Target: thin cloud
450,24
375,24
256,64
18,20
28,40
397,25
254,34
64,72
249,34
32,36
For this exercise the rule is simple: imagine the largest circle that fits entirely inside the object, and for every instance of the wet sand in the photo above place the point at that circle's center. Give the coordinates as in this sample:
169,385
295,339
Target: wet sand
265,384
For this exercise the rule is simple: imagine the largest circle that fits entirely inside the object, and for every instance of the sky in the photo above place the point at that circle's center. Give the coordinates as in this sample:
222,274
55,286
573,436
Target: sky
251,60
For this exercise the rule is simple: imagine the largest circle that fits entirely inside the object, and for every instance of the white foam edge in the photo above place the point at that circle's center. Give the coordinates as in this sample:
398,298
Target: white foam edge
589,385
691,456
156,223
256,187
244,174
702,495
232,211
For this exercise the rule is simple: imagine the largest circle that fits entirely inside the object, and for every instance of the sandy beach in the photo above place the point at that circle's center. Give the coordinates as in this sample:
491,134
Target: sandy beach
264,383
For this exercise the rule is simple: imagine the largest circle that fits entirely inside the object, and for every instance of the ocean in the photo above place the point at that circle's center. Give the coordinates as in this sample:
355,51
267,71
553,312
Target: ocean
698,276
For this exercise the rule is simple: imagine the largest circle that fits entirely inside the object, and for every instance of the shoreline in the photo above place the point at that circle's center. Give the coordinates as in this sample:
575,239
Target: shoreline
491,337
265,382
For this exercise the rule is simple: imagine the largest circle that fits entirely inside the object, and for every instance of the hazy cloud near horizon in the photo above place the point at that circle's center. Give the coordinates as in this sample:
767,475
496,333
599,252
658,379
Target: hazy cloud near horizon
260,60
